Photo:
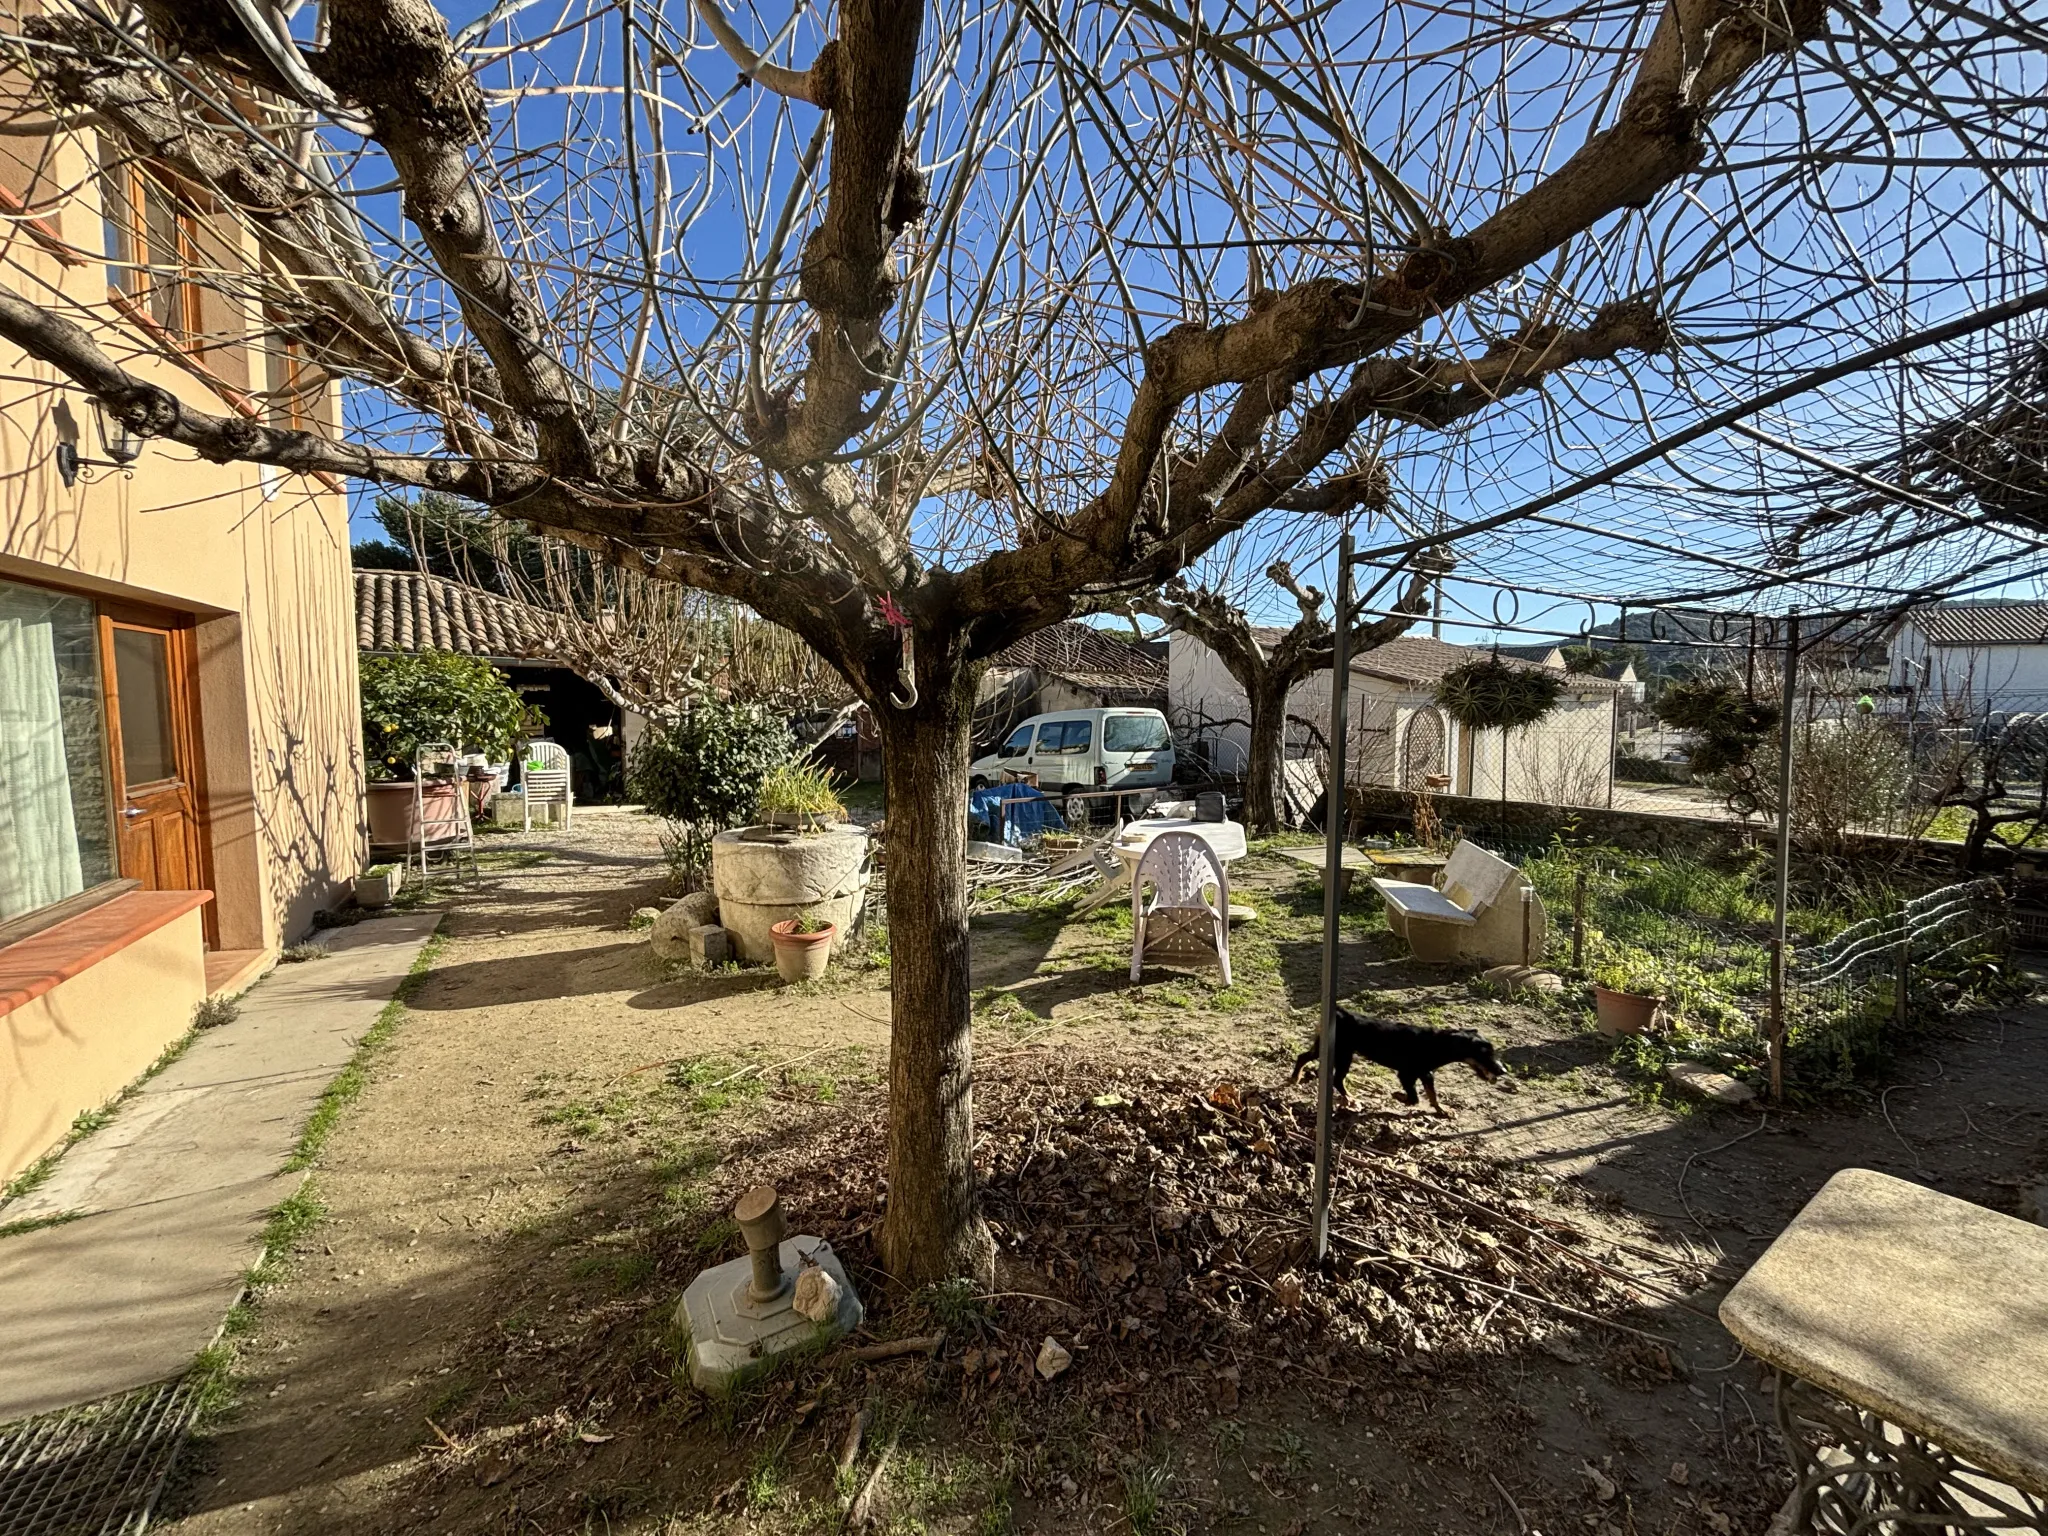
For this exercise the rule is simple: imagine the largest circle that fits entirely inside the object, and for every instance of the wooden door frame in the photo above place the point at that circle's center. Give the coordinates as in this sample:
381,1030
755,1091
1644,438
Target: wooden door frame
182,657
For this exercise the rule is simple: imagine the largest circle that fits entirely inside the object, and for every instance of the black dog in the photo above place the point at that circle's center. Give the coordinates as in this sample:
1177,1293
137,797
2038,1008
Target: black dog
1413,1054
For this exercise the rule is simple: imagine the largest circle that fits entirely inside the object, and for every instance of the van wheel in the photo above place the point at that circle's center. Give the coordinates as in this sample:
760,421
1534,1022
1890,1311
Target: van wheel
1074,807
977,782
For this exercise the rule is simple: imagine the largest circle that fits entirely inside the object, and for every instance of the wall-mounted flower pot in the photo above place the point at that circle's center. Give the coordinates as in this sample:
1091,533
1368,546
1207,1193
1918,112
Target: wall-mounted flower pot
802,956
1624,1013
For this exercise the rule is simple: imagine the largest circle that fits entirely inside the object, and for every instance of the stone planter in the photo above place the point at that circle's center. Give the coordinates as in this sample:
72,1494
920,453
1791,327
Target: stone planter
378,890
763,877
802,956
1624,1013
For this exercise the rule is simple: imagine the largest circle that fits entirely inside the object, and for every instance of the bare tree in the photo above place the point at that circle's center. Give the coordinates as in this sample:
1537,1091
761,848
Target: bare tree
970,319
1268,669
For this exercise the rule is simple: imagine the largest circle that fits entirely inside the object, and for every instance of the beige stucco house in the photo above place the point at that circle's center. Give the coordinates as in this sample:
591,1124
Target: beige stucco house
180,760
1399,736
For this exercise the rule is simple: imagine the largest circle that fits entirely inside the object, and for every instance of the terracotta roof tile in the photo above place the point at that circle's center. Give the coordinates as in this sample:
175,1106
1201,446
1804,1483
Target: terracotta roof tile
410,611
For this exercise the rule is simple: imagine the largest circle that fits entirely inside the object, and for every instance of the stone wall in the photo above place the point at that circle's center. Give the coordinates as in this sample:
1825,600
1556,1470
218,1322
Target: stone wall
1520,823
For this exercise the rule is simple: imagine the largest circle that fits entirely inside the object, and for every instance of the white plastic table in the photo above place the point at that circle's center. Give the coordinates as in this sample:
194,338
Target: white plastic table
1226,838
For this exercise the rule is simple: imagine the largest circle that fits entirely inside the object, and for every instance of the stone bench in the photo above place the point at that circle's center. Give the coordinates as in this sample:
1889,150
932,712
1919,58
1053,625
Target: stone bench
1481,909
1909,1334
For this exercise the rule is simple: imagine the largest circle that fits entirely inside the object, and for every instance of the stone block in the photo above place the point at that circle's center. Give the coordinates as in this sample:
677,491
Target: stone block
709,945
1511,979
671,932
1708,1084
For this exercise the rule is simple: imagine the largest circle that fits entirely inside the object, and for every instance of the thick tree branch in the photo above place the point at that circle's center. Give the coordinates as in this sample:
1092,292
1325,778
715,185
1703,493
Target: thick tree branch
817,85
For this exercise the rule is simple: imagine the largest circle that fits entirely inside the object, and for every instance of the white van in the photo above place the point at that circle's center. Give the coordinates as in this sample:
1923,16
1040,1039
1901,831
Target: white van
1084,749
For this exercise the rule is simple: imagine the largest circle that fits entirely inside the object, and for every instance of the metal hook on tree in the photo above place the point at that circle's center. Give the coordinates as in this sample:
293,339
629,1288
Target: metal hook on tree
906,666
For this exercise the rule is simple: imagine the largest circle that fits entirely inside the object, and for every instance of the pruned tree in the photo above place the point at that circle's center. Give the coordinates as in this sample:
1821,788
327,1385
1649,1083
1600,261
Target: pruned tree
1996,770
1269,670
968,320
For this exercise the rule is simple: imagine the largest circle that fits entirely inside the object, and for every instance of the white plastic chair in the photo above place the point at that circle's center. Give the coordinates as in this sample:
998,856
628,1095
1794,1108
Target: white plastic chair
549,782
1181,924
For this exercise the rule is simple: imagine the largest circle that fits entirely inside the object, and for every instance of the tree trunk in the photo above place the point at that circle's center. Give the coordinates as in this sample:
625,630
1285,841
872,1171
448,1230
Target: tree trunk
1264,774
930,1230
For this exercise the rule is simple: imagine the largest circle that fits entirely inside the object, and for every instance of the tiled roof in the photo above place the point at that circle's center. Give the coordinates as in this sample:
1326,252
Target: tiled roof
411,611
1988,622
1086,655
1421,660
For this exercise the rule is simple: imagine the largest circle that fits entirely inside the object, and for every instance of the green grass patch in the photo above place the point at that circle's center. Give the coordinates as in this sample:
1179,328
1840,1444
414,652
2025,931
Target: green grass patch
38,1223
348,1085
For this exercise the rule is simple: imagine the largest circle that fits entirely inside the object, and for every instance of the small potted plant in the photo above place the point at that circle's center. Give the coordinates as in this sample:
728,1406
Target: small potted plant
377,885
803,945
799,796
1628,989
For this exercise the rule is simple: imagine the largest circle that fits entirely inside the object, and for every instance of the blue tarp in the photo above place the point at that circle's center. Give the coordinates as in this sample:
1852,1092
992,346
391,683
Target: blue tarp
1024,812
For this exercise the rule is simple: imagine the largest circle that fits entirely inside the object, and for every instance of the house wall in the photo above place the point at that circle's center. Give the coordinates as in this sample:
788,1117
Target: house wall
73,1047
258,559
1563,759
1970,678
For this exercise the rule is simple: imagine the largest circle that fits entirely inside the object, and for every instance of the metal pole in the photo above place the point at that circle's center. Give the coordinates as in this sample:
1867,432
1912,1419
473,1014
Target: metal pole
1333,898
1613,742
1784,881
1579,921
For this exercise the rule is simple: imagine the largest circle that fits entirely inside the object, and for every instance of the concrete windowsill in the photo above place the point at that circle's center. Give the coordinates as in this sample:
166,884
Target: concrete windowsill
47,960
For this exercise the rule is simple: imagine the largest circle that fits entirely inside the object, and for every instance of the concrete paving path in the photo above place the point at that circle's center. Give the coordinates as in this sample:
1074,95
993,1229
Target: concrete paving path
172,1196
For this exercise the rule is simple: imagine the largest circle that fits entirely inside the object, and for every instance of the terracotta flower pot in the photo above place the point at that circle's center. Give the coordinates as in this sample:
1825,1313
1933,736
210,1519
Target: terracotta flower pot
802,956
1624,1013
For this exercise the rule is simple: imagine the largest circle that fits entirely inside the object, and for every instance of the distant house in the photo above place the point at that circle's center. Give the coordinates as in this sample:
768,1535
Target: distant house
1067,666
1975,656
1399,737
400,613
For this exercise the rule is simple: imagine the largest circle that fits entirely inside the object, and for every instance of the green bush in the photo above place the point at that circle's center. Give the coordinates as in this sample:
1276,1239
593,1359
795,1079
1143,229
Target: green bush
707,769
408,700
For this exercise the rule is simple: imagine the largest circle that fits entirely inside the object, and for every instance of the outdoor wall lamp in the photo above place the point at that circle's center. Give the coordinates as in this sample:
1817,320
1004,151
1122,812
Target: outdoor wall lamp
123,447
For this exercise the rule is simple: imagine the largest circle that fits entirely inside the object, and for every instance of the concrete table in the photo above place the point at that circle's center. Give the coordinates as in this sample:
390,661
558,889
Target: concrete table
1129,845
1909,1333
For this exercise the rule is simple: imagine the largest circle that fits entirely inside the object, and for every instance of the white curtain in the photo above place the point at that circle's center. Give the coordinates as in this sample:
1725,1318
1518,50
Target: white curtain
39,860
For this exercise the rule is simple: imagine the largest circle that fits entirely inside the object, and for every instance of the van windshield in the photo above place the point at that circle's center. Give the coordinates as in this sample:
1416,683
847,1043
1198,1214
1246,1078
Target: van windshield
1135,733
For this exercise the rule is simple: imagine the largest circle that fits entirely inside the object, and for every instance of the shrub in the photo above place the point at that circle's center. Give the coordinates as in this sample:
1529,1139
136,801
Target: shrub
704,773
408,700
709,767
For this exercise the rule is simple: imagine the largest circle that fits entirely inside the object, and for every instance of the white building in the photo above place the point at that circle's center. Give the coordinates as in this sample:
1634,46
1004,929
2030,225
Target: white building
1398,735
1975,657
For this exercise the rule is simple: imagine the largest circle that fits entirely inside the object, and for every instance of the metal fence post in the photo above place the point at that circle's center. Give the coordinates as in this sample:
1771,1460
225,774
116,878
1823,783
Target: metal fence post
1789,707
1902,1002
1333,900
1579,921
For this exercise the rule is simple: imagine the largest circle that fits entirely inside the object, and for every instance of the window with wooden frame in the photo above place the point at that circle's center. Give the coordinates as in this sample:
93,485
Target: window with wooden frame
152,244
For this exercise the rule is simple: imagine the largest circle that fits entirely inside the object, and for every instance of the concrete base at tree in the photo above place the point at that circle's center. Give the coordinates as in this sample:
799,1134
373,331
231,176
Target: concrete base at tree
734,1337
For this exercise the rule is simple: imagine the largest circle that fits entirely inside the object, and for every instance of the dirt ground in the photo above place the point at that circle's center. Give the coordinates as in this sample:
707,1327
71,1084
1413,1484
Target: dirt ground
477,1337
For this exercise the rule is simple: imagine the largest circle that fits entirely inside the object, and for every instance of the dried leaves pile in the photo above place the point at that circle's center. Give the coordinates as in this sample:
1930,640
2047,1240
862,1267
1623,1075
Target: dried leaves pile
1158,1226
